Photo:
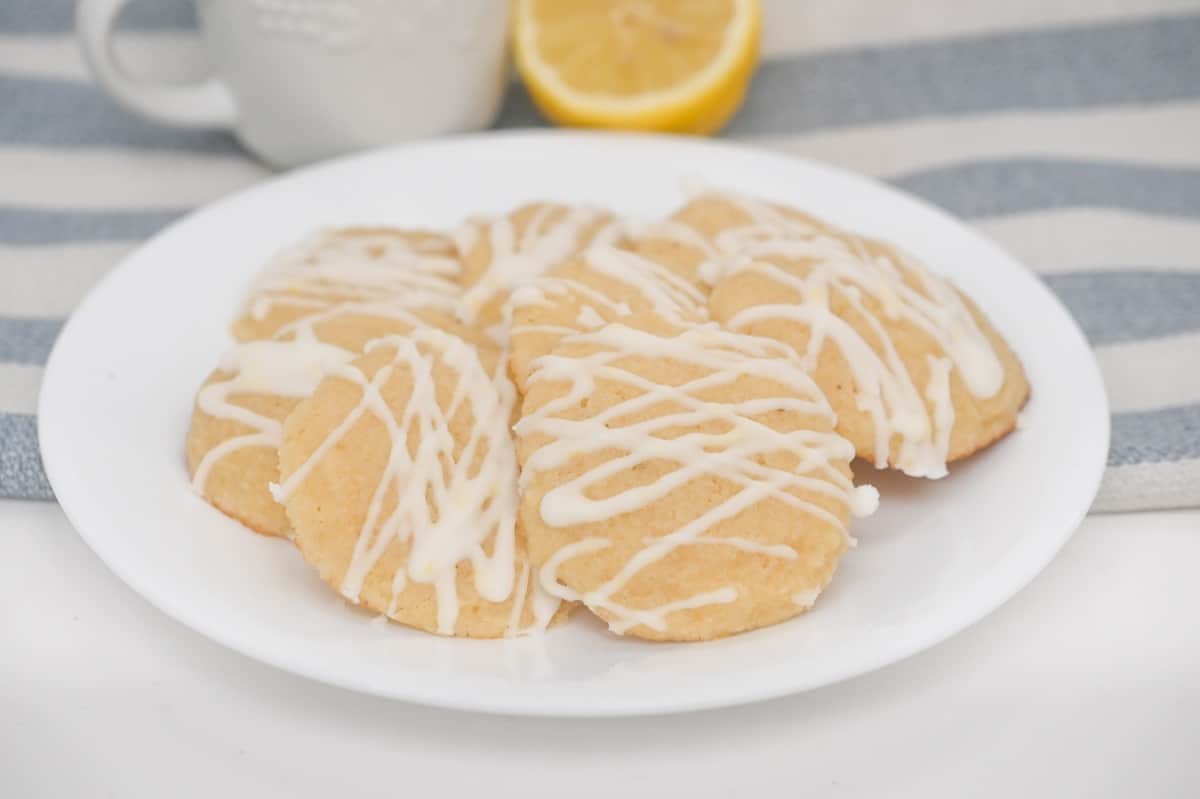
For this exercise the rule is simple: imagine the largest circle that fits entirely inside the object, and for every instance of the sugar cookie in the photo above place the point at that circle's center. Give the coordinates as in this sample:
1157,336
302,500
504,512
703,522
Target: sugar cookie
400,480
233,439
684,483
917,375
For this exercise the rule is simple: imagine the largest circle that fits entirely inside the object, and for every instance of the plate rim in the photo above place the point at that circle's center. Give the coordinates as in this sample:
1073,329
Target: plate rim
1014,578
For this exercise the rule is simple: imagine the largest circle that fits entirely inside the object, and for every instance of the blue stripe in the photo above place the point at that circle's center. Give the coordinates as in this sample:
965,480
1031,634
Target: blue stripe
57,113
997,188
27,340
37,226
58,16
1143,61
21,473
1112,307
1165,435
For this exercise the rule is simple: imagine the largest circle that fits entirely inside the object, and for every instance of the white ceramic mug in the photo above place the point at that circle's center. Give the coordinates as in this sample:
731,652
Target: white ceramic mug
300,80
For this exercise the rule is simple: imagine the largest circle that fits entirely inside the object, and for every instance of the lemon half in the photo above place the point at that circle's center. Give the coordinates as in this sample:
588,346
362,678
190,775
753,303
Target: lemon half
679,66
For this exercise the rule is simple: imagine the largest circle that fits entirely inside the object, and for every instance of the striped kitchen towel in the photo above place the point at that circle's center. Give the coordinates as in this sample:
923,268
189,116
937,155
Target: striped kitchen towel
1068,130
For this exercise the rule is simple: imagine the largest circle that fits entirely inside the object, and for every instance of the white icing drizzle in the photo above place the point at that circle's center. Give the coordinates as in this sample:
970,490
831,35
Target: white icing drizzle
542,604
588,319
547,240
279,368
332,267
656,618
307,326
536,294
937,391
730,455
885,389
668,294
678,232
806,599
556,330
466,235
518,605
863,503
662,292
746,545
443,511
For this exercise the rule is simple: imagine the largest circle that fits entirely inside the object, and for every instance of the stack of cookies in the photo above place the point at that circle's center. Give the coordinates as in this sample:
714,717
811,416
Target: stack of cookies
474,434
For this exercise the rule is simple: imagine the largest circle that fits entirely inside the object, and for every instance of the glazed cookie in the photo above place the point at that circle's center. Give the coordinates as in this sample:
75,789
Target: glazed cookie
597,286
917,375
503,253
233,440
237,425
683,482
410,269
400,481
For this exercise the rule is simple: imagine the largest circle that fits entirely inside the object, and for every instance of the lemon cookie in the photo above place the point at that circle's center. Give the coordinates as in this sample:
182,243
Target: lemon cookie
595,287
237,425
399,478
683,482
407,268
233,439
502,253
917,375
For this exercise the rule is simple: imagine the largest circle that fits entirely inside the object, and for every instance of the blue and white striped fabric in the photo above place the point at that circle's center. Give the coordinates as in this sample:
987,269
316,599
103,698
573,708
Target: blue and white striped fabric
1068,130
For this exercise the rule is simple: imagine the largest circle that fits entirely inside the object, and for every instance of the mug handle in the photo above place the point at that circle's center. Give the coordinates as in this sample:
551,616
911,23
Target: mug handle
208,104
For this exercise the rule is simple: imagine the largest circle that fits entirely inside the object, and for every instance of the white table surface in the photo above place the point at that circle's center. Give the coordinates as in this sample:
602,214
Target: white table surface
1086,684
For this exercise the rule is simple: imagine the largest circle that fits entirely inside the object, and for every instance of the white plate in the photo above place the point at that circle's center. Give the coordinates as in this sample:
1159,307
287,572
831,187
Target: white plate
937,557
